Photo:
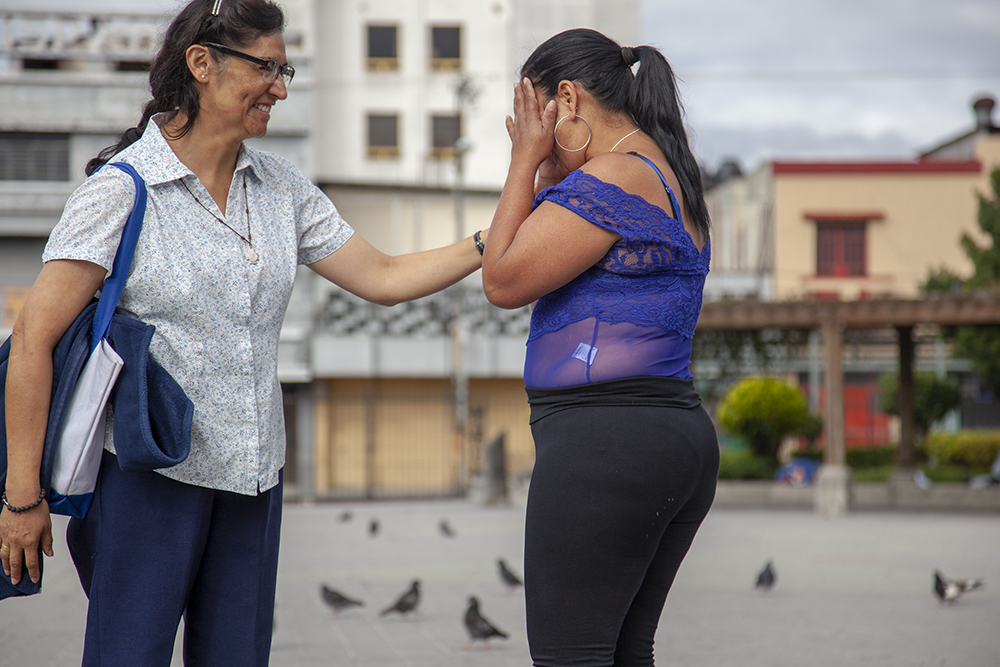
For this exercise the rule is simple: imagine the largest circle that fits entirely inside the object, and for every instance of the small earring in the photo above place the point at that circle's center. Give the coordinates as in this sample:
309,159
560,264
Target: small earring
555,135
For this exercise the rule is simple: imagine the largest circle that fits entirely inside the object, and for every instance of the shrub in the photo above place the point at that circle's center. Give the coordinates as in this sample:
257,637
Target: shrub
933,397
744,465
875,457
859,459
972,449
765,410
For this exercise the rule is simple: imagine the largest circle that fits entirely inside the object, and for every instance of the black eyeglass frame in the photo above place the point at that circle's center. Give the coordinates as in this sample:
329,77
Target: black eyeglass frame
287,72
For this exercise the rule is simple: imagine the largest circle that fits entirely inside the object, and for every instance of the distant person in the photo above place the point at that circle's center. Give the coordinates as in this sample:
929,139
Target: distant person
225,227
602,220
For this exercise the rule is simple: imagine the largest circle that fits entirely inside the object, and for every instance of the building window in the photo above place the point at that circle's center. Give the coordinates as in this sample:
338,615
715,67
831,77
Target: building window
383,136
132,65
39,63
445,131
382,51
34,156
446,48
840,249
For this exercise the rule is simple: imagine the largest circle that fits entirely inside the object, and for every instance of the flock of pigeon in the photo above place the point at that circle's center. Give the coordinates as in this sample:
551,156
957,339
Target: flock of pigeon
947,590
478,627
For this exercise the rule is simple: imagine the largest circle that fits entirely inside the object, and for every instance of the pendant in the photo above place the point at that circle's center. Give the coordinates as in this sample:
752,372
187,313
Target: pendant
251,254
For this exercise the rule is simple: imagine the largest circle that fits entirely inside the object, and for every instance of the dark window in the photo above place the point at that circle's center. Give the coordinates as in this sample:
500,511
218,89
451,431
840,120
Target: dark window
382,52
445,131
446,48
39,63
840,249
132,66
34,156
383,136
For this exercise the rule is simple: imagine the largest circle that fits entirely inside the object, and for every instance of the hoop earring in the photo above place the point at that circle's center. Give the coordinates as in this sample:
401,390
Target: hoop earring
555,135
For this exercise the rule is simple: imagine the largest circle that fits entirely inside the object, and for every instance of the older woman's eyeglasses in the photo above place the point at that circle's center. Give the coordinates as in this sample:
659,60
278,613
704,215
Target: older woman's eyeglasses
269,68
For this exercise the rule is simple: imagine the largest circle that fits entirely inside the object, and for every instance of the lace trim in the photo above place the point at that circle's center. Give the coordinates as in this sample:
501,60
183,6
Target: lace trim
651,238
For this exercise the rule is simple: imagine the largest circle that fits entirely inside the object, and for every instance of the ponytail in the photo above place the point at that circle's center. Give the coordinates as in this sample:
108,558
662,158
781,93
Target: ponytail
237,24
603,68
655,107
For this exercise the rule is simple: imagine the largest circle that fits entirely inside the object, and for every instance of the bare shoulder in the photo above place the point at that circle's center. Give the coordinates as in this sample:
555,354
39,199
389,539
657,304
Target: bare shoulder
634,175
620,169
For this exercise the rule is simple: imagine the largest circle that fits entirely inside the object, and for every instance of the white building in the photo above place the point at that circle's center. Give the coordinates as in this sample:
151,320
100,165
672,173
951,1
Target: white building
392,99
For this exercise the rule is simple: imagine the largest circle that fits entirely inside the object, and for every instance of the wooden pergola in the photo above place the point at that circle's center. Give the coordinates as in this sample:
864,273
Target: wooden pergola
831,319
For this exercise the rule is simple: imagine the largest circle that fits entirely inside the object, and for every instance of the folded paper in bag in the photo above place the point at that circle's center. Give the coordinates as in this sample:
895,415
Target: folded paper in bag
78,452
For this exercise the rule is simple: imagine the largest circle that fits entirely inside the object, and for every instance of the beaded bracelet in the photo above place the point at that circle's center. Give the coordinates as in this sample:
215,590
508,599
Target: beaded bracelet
41,497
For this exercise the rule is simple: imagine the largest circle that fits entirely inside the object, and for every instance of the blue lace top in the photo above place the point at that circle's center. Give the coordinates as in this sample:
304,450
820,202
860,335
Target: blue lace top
634,312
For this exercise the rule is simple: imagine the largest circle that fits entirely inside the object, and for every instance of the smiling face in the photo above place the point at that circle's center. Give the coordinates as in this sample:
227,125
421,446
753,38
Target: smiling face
237,93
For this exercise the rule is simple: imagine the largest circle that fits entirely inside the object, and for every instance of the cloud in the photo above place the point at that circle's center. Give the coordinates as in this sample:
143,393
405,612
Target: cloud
714,145
823,80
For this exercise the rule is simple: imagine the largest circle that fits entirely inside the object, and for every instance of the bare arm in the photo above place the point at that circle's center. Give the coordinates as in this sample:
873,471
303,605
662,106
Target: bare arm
62,290
532,253
361,269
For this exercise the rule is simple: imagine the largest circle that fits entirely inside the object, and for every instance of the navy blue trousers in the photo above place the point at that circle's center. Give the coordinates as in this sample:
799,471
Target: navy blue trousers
152,549
617,495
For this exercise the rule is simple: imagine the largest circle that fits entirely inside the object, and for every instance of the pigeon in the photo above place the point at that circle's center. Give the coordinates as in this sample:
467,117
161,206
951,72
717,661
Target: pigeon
446,528
766,578
479,627
336,600
345,516
373,528
508,578
407,602
949,590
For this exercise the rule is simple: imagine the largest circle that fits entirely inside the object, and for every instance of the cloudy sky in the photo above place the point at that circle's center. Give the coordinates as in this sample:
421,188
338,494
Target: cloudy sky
806,79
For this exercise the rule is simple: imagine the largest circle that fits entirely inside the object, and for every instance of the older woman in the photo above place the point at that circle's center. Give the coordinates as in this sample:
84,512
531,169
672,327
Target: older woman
224,229
615,250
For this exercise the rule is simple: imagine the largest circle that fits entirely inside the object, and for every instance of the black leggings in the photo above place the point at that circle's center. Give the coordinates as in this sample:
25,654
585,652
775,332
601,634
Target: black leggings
617,495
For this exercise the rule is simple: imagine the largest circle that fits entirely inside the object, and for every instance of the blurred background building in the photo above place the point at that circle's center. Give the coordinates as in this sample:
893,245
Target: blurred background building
849,230
397,112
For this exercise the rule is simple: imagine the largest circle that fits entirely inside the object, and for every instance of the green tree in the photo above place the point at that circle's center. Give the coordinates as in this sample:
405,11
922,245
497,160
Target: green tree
765,410
933,398
980,344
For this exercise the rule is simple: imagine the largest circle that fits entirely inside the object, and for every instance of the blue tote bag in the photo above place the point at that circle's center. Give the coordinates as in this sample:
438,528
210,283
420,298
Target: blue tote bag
153,415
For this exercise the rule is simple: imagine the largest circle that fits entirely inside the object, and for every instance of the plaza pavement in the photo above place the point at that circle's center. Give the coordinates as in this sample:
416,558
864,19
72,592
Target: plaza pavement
852,590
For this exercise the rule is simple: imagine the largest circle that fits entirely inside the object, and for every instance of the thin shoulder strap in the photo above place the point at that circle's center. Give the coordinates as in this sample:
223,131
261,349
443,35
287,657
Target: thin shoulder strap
670,193
113,286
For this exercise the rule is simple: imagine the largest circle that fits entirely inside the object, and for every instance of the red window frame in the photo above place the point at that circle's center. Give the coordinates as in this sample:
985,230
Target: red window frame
841,249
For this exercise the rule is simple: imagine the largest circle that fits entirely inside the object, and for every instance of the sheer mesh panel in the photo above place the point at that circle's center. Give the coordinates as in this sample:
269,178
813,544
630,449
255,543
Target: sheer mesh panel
635,311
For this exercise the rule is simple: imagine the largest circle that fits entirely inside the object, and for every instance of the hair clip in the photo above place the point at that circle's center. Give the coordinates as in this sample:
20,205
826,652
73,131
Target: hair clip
217,7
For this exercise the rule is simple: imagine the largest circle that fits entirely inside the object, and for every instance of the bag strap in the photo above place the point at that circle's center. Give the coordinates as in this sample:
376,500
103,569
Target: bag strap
113,286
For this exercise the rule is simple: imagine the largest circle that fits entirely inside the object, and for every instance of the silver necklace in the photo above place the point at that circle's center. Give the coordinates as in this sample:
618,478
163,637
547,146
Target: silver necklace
623,139
250,253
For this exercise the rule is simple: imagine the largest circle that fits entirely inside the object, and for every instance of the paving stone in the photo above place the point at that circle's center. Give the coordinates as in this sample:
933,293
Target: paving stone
851,590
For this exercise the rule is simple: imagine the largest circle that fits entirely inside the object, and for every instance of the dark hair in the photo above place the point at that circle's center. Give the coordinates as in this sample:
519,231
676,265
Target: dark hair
238,24
602,67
